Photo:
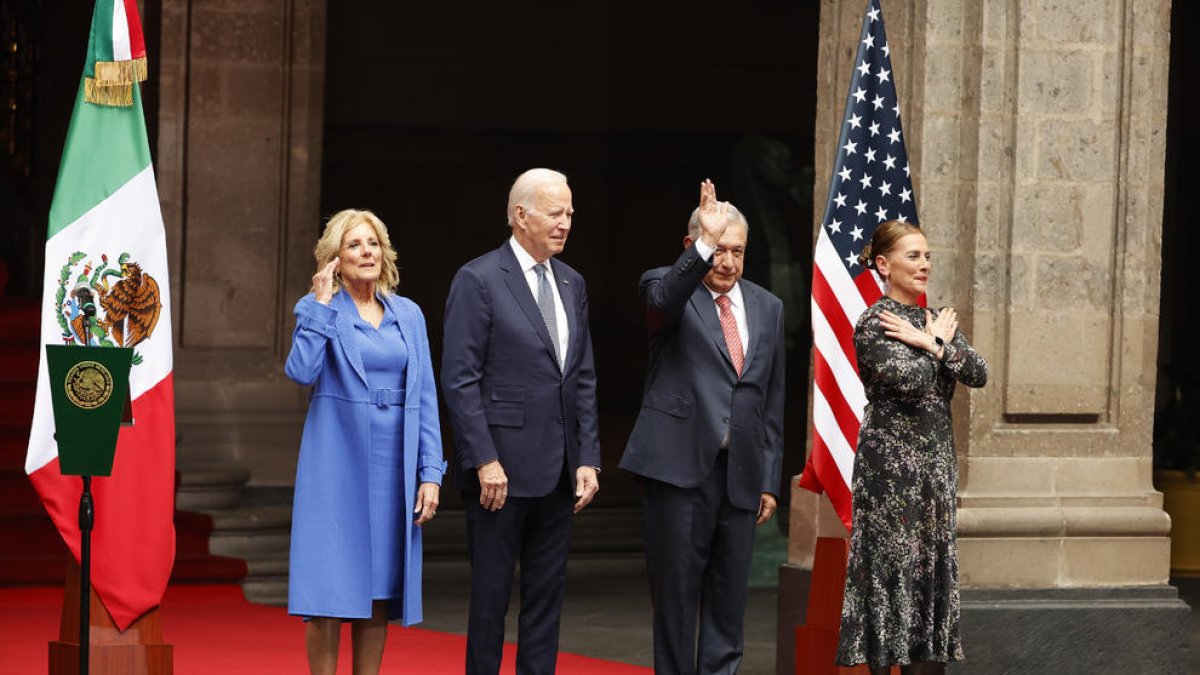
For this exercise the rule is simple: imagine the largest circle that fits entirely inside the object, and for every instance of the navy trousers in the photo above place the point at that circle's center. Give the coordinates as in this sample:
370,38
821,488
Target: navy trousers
536,531
698,551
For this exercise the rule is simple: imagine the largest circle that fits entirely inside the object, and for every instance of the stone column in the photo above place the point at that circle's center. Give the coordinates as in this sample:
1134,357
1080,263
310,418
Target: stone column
239,176
1036,132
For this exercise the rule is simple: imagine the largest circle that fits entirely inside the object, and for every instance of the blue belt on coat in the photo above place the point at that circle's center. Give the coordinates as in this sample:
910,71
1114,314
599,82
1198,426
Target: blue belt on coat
376,397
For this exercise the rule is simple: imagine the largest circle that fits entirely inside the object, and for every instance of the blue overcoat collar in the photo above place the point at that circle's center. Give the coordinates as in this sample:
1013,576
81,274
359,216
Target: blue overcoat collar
347,314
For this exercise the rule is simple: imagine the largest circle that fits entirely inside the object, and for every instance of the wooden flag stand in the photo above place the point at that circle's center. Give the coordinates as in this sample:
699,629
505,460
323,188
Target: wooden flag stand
138,650
89,392
817,639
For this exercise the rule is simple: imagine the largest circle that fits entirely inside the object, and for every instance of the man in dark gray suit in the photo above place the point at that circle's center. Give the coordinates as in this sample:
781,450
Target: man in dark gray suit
520,390
708,441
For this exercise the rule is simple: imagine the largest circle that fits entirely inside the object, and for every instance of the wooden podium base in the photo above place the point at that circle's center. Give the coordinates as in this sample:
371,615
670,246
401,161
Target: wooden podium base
138,650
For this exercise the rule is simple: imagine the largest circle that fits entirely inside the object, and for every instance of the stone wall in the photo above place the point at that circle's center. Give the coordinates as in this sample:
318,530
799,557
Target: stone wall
1036,134
239,177
1071,101
1036,130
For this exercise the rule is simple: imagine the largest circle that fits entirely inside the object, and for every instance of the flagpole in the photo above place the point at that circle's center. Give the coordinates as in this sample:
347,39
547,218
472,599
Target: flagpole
87,517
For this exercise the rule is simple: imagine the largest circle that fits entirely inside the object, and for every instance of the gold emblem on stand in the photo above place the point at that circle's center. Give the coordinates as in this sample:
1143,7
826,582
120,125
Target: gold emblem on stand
88,385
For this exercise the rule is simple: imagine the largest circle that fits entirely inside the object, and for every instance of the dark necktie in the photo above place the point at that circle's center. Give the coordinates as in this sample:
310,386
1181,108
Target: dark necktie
545,300
732,339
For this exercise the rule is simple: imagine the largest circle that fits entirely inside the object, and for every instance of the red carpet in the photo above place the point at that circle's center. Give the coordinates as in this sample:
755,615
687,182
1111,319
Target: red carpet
214,630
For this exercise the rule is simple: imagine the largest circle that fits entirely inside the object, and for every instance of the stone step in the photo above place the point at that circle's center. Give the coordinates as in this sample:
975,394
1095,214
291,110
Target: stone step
210,486
257,532
266,590
22,320
16,491
266,581
252,532
264,568
252,518
14,444
595,569
19,365
605,544
16,405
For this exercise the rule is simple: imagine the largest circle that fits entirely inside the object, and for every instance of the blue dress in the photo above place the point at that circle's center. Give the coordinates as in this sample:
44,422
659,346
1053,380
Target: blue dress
385,360
365,448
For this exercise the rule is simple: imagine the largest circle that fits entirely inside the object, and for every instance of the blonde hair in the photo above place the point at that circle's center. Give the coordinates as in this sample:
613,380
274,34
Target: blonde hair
884,240
330,244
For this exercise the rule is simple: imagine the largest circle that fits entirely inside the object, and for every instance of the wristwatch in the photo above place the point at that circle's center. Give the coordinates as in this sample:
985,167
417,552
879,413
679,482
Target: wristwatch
940,346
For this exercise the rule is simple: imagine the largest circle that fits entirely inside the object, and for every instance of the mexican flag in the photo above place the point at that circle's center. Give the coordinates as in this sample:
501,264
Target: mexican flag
106,246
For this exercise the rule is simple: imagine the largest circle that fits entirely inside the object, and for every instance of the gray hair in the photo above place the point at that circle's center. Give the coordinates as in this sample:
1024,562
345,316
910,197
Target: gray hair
735,217
524,189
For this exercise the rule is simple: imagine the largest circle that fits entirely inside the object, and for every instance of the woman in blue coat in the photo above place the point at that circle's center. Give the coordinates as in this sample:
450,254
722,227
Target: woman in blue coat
370,466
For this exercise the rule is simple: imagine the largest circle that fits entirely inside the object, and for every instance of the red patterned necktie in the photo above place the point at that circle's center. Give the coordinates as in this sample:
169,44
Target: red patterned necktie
732,339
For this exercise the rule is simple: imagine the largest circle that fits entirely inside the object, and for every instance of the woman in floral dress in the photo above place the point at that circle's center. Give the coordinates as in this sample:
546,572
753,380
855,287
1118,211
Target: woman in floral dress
901,600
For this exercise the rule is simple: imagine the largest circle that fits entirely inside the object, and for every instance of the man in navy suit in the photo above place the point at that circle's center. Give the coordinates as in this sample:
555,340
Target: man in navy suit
520,390
708,441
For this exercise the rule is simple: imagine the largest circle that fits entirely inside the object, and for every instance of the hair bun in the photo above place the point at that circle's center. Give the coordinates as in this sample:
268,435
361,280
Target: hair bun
865,258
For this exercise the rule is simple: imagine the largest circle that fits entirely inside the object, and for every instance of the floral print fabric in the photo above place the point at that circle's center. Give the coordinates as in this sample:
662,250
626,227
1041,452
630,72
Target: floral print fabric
901,602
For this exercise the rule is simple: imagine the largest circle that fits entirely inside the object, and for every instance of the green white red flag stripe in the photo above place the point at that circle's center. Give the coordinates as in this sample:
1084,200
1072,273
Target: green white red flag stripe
116,56
128,43
105,234
116,32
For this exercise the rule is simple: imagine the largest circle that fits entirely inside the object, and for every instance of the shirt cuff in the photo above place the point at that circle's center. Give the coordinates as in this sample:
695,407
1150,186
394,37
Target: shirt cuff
705,251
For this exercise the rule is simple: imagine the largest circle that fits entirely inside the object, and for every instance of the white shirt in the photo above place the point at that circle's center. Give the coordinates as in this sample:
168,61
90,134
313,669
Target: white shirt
736,304
527,264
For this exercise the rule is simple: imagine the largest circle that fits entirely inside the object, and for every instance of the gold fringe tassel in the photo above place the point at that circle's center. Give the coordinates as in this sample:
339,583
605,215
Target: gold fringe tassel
104,93
113,83
122,72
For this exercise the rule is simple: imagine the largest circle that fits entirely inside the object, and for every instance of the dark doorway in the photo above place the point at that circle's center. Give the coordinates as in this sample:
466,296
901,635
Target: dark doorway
1178,386
433,110
44,44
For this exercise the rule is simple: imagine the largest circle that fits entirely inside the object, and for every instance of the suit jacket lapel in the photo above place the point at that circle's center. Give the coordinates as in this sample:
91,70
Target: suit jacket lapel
514,278
753,304
702,303
345,327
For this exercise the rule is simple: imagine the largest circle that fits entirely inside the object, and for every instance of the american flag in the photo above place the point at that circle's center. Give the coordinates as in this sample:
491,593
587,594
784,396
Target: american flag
870,184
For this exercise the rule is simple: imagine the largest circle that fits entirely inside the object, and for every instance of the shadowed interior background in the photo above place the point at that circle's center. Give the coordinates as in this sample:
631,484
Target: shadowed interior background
429,114
432,111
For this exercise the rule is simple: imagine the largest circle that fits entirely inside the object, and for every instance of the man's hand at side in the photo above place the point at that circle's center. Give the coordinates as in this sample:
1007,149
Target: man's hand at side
587,484
493,483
